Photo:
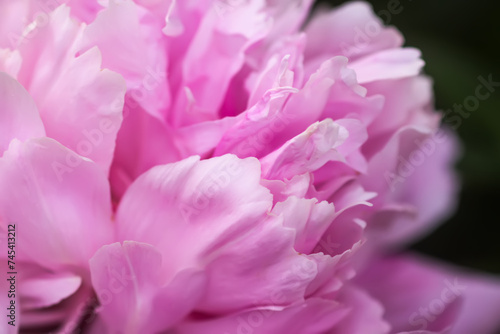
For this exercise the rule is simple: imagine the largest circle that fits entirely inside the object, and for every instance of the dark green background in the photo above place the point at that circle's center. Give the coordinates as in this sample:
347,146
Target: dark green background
460,41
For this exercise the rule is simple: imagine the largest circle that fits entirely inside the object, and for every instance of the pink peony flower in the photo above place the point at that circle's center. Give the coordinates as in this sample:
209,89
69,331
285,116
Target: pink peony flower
232,166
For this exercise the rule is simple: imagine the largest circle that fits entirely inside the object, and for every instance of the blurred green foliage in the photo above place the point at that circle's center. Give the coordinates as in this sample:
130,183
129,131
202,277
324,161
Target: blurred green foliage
460,40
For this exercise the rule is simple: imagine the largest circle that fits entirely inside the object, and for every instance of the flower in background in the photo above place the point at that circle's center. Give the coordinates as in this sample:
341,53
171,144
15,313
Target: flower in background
238,166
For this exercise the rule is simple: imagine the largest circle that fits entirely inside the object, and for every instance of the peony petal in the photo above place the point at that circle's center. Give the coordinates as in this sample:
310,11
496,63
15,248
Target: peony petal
202,138
415,295
134,297
80,104
424,186
307,152
298,186
407,102
308,217
436,200
479,312
59,200
10,62
313,98
351,30
93,134
220,224
260,267
14,18
215,55
388,64
143,141
365,314
132,45
46,291
199,202
258,126
314,316
422,295
19,117
283,68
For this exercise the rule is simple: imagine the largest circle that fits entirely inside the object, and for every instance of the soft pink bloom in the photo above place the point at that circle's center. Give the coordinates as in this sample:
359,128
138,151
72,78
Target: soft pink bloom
79,102
223,167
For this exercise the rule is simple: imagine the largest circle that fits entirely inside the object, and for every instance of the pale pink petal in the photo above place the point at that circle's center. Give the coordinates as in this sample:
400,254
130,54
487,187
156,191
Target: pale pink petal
215,55
330,178
388,64
90,134
479,311
48,290
422,295
15,16
288,17
415,294
308,217
10,62
269,124
428,187
19,117
407,102
351,30
307,152
47,50
200,202
346,231
308,105
80,104
283,68
416,188
351,148
258,126
259,267
208,215
134,296
341,241
349,100
334,272
297,186
58,199
202,138
132,45
313,316
365,314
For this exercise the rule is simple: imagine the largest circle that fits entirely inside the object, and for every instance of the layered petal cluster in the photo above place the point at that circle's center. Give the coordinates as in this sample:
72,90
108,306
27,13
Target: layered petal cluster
223,166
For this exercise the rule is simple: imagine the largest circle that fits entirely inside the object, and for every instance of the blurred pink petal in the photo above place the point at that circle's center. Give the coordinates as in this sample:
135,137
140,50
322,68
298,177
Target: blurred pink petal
19,117
57,231
421,295
313,316
349,31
